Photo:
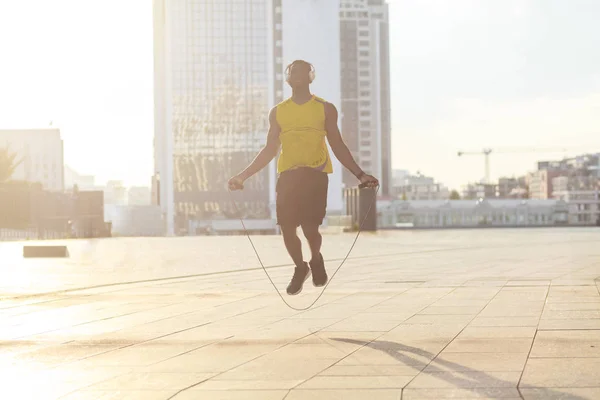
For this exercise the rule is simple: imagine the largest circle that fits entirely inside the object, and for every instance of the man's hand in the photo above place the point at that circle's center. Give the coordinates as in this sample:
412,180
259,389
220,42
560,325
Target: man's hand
369,181
236,183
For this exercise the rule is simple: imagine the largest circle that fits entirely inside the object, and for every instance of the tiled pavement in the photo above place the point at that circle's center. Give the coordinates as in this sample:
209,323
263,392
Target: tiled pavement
503,314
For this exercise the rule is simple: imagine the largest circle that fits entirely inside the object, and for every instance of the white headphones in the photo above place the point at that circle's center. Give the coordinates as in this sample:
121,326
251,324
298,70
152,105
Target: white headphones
311,74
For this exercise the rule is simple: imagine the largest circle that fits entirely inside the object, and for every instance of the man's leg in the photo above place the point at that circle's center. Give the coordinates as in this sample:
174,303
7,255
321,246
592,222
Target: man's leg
314,214
292,244
294,248
317,264
314,238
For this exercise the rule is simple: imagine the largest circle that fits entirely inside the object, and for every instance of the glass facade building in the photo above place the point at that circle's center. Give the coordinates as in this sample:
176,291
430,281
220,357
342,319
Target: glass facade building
217,74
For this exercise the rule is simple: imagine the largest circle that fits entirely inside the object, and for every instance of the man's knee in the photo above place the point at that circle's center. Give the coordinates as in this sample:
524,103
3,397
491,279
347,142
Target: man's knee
311,231
288,232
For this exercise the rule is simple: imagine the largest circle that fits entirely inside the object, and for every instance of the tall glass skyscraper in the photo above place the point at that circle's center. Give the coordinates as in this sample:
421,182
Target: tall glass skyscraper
214,86
219,68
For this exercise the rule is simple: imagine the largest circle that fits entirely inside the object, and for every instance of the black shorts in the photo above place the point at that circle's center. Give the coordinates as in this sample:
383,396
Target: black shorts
301,197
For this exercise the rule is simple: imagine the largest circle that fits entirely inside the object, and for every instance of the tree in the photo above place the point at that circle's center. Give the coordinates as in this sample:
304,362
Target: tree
8,164
454,195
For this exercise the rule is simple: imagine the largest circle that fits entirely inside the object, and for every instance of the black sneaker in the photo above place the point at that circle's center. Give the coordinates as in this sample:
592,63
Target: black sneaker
301,274
319,275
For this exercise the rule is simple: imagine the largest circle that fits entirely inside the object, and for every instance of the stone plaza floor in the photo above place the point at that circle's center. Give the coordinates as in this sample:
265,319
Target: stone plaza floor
500,314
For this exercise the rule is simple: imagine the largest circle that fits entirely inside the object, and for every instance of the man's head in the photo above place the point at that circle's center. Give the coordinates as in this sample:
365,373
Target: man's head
299,73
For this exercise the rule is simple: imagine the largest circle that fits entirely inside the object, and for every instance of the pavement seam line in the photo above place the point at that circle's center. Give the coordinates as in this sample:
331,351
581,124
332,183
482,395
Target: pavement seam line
454,338
532,343
280,347
255,358
89,322
163,336
366,344
237,366
313,333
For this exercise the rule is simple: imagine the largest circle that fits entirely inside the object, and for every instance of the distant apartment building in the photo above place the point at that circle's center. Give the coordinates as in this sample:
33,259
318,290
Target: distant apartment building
506,186
474,191
365,88
40,156
574,183
512,188
587,163
579,173
398,176
582,195
115,193
540,183
83,182
419,187
584,205
139,196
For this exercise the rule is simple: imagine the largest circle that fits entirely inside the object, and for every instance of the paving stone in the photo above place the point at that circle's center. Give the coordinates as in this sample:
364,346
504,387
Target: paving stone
569,324
472,393
348,394
576,343
490,345
233,395
561,393
370,370
466,379
551,306
561,372
151,381
246,384
452,310
449,361
506,321
356,382
119,395
483,332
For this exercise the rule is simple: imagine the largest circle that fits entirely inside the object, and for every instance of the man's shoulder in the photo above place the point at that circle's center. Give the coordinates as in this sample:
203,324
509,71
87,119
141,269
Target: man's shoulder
283,102
329,107
320,100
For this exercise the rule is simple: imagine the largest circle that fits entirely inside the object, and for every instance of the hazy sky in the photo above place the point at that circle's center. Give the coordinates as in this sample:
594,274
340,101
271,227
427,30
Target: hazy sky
467,74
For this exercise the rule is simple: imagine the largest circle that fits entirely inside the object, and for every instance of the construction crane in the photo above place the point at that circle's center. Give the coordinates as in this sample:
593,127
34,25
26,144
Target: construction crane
487,151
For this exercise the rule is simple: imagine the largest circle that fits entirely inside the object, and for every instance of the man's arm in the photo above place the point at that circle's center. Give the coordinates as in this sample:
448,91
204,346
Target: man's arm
338,146
268,152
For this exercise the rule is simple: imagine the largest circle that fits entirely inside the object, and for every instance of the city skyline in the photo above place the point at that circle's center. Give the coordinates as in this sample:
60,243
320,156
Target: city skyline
461,80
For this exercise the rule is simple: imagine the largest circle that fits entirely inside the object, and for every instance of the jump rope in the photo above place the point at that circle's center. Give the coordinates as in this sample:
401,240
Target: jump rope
361,186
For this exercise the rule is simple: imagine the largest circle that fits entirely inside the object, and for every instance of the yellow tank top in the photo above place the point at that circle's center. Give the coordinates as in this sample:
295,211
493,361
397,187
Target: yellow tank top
302,135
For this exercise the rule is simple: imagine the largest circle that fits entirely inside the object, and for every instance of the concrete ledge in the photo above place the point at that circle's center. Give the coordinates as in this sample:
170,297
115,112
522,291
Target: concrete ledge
45,251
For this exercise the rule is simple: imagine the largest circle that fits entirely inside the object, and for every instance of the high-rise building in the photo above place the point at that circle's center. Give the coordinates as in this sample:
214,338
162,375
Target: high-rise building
214,86
39,155
365,86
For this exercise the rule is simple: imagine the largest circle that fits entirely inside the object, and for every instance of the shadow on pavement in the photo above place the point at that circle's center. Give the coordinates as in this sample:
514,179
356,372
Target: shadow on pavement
397,350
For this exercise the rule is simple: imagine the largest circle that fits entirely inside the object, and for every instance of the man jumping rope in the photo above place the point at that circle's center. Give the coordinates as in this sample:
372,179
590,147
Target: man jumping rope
300,125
